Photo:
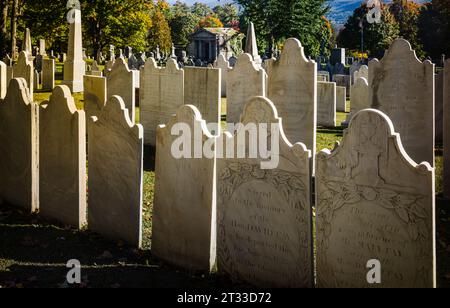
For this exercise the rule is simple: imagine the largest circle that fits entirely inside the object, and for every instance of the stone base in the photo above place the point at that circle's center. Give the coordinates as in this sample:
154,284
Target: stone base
74,86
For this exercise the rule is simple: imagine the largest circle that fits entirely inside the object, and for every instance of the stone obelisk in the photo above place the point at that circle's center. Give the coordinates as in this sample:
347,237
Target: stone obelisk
74,67
251,47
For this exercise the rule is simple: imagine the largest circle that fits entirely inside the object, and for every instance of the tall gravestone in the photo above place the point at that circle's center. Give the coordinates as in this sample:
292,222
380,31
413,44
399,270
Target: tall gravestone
251,46
24,69
447,129
48,74
245,81
374,203
115,147
439,107
161,94
292,87
183,235
3,79
121,82
26,44
341,99
203,90
264,219
224,66
74,66
326,104
19,144
402,86
359,97
62,159
95,95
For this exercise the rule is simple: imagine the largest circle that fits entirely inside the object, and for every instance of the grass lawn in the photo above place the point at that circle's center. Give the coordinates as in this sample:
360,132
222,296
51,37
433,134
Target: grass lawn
33,251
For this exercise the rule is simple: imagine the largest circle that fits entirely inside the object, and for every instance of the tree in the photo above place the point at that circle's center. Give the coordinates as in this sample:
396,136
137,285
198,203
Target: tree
210,22
4,4
202,10
182,25
227,13
159,34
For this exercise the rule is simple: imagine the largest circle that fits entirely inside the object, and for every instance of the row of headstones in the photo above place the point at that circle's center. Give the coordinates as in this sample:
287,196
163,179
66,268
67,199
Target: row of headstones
44,155
255,225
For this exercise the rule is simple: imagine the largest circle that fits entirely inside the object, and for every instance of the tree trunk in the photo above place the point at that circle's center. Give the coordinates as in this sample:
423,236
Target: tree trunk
3,27
14,14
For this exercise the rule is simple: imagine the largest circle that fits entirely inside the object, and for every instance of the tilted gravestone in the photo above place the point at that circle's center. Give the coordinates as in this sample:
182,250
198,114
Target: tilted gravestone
19,140
115,148
182,235
326,104
402,86
161,94
62,159
264,218
374,204
245,81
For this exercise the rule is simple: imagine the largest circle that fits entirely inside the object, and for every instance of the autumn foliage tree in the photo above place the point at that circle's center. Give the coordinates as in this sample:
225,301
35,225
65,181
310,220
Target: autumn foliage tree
210,22
159,34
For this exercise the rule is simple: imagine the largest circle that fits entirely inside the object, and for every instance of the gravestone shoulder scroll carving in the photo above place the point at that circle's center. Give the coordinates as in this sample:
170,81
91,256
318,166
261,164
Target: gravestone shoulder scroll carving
264,215
374,203
183,220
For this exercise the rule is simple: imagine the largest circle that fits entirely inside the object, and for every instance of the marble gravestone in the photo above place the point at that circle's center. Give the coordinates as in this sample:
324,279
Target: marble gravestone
224,66
354,68
326,104
161,94
121,82
3,79
95,95
324,73
24,69
447,129
439,105
62,159
245,81
359,97
202,89
341,99
374,203
115,147
19,144
402,86
264,218
363,72
292,87
183,217
48,74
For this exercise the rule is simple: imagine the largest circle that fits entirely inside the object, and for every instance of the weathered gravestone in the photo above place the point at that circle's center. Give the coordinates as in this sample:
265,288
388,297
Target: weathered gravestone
19,144
3,79
161,94
292,87
326,104
202,89
342,81
224,66
363,72
341,99
95,95
182,235
374,203
115,174
121,82
359,98
24,69
324,73
48,74
322,78
245,81
62,159
264,216
353,69
447,129
402,86
439,107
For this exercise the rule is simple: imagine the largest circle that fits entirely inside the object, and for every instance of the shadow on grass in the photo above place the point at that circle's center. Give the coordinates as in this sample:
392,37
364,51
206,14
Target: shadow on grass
149,158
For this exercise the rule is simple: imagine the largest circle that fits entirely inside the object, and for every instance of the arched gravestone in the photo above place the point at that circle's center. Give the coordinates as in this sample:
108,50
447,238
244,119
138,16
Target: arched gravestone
245,81
224,66
363,72
121,82
374,203
19,144
402,86
161,94
62,159
292,87
24,69
184,202
359,97
115,174
264,215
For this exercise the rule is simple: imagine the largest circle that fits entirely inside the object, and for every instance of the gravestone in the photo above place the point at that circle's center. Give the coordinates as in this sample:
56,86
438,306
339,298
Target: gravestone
439,107
95,95
161,94
245,81
322,78
121,82
339,69
202,89
27,47
359,98
374,203
42,50
342,81
133,63
224,66
115,174
292,87
447,129
36,80
24,69
402,86
3,80
338,56
182,235
251,46
62,159
19,140
341,99
326,104
363,72
264,228
354,68
38,62
326,74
